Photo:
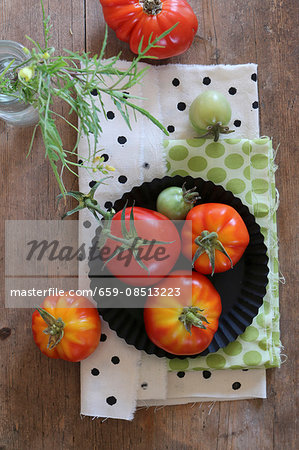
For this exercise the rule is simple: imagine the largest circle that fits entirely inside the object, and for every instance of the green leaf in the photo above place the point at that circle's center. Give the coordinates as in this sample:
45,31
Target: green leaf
149,116
2,75
32,140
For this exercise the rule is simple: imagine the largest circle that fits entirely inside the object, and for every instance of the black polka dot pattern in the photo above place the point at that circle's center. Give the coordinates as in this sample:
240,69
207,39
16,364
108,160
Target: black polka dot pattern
125,96
234,90
103,337
108,205
245,370
206,374
92,183
181,374
86,224
181,106
206,81
105,157
122,179
121,140
94,92
80,161
110,115
111,400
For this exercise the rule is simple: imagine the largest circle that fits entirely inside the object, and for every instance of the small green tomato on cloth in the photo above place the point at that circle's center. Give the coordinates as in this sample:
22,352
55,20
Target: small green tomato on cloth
210,114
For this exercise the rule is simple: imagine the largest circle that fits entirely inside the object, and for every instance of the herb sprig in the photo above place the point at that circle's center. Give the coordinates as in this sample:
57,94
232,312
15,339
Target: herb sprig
74,78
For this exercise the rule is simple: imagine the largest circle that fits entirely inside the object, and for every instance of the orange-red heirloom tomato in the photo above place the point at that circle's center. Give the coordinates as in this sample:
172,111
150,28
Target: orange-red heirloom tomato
150,226
66,327
183,324
134,19
217,239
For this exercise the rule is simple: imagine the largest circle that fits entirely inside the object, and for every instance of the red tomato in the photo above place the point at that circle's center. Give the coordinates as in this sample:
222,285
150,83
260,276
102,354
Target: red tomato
74,324
134,19
217,231
168,318
158,258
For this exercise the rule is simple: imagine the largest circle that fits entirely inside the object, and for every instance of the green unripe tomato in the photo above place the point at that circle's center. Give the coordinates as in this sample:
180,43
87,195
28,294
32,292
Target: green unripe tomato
208,109
175,202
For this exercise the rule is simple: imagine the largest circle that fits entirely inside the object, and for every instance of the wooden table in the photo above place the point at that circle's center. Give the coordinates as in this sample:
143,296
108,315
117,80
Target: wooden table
40,398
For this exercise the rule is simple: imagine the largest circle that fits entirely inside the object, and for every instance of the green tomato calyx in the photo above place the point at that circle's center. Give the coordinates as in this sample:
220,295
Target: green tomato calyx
191,317
87,201
208,243
130,239
55,328
190,196
214,131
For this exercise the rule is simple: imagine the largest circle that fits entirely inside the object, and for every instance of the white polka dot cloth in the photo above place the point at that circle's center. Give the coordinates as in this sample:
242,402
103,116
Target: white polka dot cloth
116,377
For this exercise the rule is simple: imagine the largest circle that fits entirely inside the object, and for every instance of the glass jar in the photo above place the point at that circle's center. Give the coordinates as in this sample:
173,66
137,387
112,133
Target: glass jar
11,110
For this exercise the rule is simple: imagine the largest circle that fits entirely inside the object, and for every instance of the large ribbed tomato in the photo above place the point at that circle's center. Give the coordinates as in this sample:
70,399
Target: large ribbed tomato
66,327
134,19
157,258
217,239
183,324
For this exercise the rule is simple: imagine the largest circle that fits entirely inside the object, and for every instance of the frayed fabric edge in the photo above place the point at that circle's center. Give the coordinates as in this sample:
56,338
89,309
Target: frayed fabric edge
103,419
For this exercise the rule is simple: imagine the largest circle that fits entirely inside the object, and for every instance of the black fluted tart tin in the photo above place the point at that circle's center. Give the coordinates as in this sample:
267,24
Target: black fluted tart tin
241,289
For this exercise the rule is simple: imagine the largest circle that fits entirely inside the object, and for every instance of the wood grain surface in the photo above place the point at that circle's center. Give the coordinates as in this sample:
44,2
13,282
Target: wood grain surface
40,398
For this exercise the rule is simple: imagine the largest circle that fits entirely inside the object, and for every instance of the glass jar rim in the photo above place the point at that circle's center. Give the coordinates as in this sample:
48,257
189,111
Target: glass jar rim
14,50
13,46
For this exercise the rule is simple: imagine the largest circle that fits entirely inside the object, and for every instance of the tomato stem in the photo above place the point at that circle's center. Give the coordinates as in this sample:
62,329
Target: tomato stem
151,7
190,196
191,317
88,201
130,239
208,243
214,131
55,328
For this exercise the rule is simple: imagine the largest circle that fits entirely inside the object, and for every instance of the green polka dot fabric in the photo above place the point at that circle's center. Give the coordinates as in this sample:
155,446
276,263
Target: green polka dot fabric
246,168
